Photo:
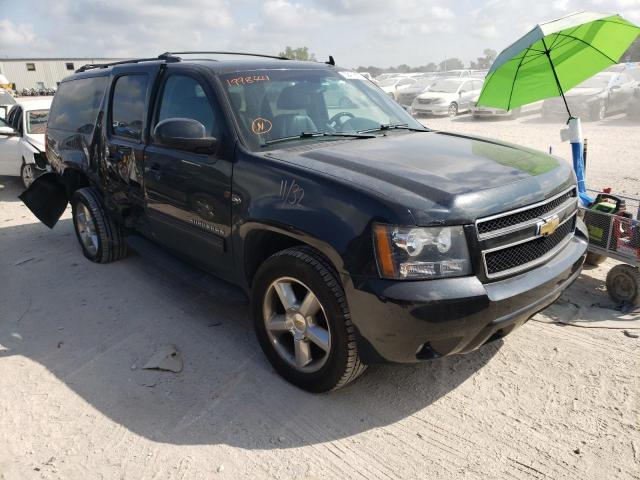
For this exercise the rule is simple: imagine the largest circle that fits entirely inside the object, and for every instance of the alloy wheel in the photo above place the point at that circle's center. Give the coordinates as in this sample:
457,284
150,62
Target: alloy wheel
28,174
296,324
86,229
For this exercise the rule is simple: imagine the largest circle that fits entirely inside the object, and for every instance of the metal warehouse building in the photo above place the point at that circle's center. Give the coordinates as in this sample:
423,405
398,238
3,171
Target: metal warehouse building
42,72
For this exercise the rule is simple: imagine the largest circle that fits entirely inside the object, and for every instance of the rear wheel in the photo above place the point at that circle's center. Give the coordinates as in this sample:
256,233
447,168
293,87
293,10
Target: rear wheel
302,321
101,238
623,284
453,109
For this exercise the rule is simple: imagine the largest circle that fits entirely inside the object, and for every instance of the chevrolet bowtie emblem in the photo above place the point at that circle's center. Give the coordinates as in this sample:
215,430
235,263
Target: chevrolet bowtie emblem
548,226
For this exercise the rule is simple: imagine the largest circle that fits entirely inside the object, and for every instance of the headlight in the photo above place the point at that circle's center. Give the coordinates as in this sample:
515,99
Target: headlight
421,252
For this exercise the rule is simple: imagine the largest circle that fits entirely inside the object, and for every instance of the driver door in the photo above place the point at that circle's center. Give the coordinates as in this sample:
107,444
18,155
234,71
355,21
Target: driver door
188,194
10,145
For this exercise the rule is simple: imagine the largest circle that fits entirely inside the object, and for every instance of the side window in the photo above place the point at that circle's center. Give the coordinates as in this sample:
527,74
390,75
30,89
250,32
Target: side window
128,106
184,97
76,104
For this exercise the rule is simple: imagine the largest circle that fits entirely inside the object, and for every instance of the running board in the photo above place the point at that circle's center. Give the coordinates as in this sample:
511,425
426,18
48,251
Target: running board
177,268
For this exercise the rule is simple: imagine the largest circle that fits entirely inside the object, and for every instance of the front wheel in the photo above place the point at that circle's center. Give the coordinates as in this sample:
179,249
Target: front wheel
101,238
302,321
453,110
28,173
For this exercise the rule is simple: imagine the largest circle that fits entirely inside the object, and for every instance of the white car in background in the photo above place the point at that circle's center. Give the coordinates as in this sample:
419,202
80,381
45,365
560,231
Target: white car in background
394,85
448,96
22,139
6,102
481,111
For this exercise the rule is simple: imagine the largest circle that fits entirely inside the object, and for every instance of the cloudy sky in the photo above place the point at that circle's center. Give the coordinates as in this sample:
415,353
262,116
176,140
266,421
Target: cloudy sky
355,32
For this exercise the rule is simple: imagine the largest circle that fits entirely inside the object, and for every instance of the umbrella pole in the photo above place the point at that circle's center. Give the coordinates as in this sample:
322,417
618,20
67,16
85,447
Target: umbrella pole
575,137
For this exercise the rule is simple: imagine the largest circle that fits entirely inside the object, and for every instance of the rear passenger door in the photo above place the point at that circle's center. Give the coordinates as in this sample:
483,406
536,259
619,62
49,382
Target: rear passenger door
126,129
188,194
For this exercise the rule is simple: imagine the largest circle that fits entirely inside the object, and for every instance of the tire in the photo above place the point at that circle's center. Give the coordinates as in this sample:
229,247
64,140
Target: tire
453,110
594,259
101,238
328,368
623,284
28,173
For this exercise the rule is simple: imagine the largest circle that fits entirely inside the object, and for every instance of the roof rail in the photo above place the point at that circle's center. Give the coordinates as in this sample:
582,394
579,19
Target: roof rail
171,54
91,66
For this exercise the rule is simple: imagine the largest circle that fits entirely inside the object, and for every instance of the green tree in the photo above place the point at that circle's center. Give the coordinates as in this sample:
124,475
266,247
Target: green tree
300,53
484,63
450,64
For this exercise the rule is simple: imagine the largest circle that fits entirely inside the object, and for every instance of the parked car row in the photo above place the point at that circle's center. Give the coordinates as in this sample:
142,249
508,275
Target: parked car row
22,139
616,90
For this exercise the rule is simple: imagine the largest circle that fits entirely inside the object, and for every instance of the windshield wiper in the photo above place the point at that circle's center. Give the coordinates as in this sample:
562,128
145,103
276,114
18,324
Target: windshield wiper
318,134
402,126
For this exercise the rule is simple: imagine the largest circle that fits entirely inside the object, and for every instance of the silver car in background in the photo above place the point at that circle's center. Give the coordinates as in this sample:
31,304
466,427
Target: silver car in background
448,96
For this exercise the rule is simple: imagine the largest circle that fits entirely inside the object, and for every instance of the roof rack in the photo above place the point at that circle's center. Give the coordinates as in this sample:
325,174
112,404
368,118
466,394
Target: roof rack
171,54
170,57
91,66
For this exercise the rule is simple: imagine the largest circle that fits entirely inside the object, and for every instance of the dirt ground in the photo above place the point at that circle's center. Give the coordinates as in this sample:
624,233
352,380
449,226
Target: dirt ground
550,401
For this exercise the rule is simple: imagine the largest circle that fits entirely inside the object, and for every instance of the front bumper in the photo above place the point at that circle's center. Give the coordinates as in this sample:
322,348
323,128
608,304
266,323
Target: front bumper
429,108
408,321
490,112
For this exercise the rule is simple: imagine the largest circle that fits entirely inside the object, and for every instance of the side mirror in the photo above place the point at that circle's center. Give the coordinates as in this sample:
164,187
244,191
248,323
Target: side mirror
8,132
184,134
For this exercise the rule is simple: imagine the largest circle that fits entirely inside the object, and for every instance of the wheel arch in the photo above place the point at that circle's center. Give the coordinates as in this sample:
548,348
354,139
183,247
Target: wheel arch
261,240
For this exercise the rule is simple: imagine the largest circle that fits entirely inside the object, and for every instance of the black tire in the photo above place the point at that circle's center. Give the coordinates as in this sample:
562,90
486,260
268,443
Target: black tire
304,264
110,244
453,110
594,259
623,284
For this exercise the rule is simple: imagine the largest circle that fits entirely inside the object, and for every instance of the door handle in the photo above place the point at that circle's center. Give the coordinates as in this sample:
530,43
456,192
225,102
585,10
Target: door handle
155,171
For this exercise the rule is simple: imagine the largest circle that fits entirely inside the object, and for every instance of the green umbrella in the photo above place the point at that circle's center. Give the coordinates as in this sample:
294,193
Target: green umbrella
554,57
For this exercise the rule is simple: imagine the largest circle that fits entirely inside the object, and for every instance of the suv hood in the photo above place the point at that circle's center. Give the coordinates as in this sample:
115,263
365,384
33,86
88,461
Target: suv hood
438,175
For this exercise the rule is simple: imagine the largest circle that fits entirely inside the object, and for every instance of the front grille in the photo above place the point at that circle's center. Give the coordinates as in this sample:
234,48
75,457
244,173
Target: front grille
426,101
515,241
522,254
523,216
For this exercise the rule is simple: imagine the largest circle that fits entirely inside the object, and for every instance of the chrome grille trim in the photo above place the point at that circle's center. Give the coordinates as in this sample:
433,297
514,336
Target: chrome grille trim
519,226
547,256
571,204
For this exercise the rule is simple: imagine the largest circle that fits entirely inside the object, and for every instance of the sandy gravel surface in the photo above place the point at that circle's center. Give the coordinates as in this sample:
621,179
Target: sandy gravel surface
548,402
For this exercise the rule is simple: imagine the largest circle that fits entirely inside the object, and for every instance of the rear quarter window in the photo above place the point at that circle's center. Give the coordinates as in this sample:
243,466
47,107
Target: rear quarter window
76,104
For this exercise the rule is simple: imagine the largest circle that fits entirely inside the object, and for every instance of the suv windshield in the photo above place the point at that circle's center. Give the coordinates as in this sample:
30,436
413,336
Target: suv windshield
276,104
445,86
37,121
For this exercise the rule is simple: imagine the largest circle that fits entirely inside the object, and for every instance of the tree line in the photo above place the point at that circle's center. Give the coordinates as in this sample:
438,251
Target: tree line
481,63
